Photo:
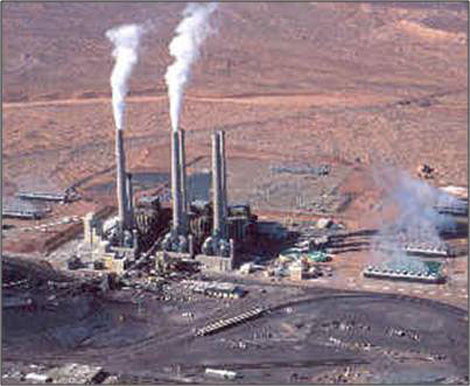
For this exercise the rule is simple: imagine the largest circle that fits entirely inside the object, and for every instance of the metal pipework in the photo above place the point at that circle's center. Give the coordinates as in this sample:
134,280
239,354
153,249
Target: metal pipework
216,186
121,179
182,173
221,135
175,183
130,200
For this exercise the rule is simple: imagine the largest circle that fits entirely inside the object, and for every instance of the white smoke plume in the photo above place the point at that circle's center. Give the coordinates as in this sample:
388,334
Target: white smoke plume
126,42
190,34
415,218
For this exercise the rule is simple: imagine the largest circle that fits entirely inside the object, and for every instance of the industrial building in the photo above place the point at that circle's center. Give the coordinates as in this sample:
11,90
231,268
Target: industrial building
22,213
422,276
210,233
69,195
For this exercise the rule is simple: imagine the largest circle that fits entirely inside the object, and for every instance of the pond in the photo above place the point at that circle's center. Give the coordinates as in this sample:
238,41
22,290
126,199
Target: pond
198,184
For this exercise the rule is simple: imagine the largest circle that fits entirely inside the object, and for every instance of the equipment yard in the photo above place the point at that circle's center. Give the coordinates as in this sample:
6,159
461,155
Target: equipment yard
256,193
307,335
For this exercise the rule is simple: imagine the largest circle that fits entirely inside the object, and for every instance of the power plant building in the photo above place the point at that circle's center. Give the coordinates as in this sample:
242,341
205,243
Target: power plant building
211,233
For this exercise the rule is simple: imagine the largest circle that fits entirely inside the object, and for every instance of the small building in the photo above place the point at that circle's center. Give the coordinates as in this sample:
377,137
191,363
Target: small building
215,263
218,289
297,271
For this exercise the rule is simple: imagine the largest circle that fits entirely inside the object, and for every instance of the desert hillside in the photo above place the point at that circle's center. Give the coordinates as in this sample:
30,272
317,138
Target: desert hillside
356,85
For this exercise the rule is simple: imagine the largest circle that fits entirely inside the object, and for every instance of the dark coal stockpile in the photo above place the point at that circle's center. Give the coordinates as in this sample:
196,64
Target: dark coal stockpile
143,340
37,302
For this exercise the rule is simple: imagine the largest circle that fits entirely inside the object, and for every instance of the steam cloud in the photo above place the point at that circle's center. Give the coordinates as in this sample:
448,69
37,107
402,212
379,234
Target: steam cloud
126,42
416,218
190,34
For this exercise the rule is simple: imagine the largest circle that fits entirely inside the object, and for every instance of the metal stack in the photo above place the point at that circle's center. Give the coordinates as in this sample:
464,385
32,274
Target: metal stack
177,239
217,181
182,178
121,181
221,135
218,244
176,183
130,200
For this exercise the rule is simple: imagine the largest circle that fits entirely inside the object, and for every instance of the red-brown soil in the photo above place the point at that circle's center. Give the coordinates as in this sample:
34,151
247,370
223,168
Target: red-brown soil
355,85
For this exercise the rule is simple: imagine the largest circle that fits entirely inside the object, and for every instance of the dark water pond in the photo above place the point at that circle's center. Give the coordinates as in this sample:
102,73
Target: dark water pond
140,181
198,184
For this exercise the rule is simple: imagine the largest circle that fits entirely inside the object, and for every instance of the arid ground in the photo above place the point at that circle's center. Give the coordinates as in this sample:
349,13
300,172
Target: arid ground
356,86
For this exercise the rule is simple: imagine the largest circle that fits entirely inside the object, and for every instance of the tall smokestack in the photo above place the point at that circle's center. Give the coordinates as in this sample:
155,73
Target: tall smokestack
121,179
216,186
130,200
126,42
176,182
224,172
182,173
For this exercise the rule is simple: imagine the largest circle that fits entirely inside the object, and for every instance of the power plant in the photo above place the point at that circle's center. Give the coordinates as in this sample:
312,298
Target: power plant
209,233
132,251
205,232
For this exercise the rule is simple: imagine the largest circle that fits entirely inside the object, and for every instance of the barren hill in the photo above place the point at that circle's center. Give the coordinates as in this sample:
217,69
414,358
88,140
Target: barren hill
357,85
